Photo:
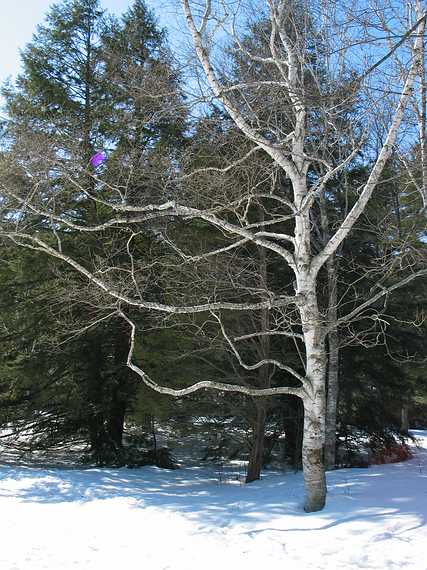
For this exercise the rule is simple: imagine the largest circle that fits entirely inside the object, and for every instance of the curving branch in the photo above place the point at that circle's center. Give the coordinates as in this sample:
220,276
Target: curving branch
262,362
202,385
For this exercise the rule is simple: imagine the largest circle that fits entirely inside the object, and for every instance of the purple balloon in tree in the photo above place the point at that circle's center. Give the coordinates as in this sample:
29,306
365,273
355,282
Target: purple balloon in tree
97,159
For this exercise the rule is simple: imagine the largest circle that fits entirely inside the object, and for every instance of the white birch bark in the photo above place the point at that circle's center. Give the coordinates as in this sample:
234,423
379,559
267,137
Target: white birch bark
422,115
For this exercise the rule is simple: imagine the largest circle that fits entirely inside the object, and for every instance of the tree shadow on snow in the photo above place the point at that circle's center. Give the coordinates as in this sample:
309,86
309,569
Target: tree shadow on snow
374,493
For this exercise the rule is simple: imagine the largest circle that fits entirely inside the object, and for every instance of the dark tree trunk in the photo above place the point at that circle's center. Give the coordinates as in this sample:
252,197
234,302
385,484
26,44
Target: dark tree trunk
95,406
293,427
404,419
121,389
116,423
332,267
108,396
256,454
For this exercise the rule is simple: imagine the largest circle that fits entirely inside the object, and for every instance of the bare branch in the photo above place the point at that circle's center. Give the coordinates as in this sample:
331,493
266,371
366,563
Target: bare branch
205,384
35,243
235,114
269,333
384,291
263,362
376,171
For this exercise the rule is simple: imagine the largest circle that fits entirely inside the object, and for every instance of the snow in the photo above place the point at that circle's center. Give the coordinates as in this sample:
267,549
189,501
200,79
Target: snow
104,519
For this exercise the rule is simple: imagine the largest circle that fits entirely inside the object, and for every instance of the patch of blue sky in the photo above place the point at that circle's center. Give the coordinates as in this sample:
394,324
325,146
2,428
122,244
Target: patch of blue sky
19,22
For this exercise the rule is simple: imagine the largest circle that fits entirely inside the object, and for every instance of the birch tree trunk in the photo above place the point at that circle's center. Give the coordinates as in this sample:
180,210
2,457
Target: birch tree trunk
313,450
315,356
314,405
333,366
422,118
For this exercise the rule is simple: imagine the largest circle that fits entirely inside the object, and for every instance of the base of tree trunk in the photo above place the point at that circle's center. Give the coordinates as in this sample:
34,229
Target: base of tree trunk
315,490
330,456
313,454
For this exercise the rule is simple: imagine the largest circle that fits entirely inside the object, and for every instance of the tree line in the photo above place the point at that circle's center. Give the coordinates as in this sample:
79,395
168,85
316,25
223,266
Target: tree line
253,246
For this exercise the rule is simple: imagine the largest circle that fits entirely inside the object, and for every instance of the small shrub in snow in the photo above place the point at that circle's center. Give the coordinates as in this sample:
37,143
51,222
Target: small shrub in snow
399,452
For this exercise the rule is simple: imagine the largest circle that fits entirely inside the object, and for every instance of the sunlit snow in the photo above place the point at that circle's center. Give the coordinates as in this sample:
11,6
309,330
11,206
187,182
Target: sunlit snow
151,519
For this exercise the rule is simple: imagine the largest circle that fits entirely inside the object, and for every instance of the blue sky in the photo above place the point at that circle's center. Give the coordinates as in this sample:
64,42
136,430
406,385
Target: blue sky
19,20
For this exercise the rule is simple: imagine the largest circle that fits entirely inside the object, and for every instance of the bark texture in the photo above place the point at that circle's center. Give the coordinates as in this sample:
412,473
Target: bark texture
313,451
314,400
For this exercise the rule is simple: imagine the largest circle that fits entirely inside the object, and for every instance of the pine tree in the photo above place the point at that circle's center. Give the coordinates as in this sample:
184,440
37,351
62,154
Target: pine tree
88,83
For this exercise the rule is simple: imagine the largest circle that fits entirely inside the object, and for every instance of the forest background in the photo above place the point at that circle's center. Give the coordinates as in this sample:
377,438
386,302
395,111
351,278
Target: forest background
146,294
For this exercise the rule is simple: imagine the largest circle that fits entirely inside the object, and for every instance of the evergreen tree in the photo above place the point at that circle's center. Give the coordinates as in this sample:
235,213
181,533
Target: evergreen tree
88,83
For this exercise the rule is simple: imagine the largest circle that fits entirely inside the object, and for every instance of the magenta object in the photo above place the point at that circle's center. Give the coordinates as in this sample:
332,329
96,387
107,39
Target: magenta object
97,159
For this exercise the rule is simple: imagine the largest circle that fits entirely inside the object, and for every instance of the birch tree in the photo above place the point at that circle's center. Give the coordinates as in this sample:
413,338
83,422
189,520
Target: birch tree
300,146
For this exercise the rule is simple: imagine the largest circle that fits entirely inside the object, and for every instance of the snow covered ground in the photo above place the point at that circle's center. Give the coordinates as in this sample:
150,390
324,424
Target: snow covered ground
105,519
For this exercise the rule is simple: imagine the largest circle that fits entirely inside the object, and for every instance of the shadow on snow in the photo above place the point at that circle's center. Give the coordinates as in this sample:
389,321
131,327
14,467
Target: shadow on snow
363,494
